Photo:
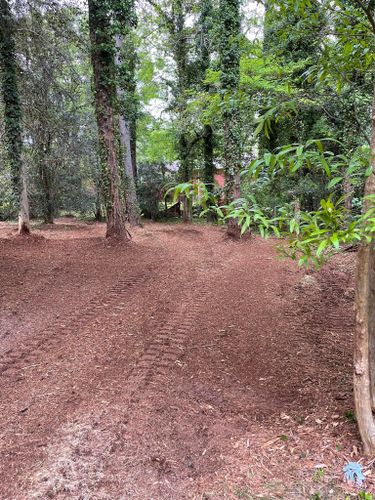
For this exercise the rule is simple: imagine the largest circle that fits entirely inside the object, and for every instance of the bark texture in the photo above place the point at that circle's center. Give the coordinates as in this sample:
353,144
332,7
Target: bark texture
105,93
131,199
364,342
23,216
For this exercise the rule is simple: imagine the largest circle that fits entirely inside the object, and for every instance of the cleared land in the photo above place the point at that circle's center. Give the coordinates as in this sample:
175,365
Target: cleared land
181,365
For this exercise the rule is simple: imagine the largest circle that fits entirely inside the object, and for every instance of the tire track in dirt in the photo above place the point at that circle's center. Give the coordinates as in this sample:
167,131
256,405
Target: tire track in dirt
98,433
154,413
51,336
79,444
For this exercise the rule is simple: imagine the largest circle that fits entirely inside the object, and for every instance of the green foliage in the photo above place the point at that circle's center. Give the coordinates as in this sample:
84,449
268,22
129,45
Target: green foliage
312,236
350,415
156,141
152,182
316,496
6,198
11,98
318,475
363,495
59,120
316,234
195,191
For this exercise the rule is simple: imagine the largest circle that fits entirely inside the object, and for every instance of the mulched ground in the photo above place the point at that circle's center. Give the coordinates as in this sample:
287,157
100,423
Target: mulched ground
181,365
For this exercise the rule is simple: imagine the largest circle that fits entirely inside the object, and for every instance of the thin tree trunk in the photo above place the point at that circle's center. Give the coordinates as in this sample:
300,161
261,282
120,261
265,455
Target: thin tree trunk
105,92
205,25
46,182
132,206
364,341
131,199
208,159
23,216
187,209
205,49
348,193
185,175
180,51
98,205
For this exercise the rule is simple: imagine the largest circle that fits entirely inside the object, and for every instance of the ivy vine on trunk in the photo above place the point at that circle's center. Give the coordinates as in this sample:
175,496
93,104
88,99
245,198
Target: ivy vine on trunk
102,56
229,51
13,115
125,63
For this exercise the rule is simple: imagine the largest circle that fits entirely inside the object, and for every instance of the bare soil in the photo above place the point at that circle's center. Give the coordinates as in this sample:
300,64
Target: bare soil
181,365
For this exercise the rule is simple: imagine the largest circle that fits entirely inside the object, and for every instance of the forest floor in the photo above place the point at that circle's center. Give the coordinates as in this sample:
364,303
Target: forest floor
181,365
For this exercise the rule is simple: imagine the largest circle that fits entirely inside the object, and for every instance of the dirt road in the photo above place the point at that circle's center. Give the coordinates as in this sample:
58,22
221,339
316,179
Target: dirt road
181,365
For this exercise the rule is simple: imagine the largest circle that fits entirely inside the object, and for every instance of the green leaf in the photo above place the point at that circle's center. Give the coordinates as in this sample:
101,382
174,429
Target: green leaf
334,181
335,241
321,247
259,128
368,171
325,166
320,146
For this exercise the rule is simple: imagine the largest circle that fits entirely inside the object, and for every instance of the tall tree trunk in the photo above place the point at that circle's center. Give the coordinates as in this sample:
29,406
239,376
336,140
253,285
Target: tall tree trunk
204,42
23,216
180,56
105,93
46,179
13,116
205,24
230,78
208,160
364,341
185,175
348,193
132,205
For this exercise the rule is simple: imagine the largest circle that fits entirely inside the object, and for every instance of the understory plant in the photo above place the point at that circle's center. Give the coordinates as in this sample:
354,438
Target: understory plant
310,237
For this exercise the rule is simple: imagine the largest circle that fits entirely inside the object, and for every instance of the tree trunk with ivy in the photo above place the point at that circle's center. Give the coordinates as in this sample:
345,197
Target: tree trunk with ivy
229,50
102,58
179,41
204,48
13,116
364,341
125,63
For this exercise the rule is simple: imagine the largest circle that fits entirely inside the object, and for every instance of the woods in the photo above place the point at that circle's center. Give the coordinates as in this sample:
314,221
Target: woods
249,120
